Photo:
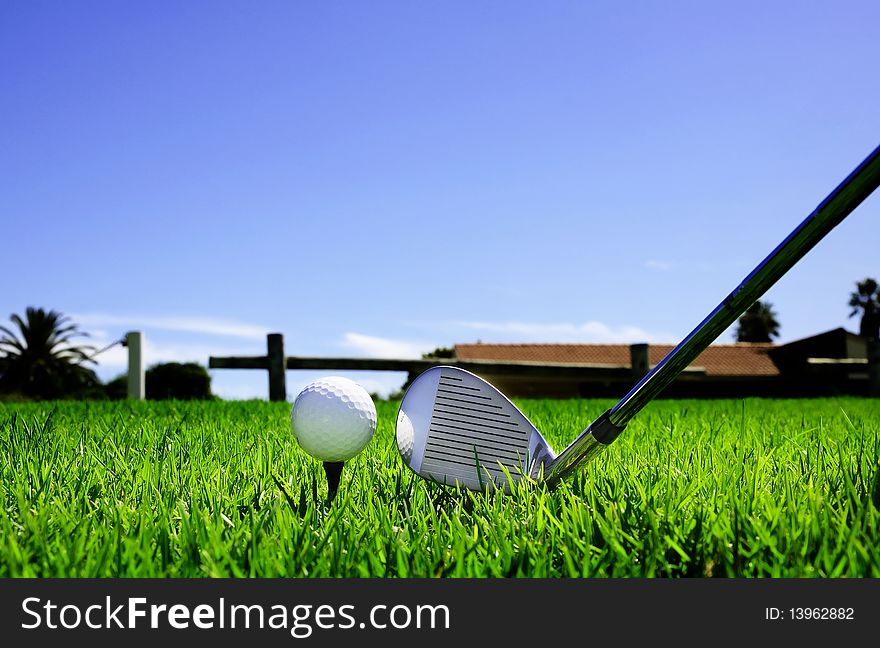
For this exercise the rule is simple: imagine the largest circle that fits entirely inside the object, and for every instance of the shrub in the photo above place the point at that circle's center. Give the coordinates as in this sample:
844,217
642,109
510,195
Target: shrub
117,389
175,380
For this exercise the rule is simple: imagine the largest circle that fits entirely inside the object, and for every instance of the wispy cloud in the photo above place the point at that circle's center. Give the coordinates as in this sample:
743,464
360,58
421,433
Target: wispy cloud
155,352
592,331
653,264
179,323
377,347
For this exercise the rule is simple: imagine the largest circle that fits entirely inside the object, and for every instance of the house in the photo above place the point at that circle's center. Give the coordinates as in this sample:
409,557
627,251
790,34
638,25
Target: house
834,362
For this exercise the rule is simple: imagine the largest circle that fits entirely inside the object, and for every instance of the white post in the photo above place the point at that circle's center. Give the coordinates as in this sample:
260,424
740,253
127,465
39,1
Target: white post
134,340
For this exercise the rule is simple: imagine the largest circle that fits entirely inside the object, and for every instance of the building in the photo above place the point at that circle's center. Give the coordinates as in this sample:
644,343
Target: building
834,362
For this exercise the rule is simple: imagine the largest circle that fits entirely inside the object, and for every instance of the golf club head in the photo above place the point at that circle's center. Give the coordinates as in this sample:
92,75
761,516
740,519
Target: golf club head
455,428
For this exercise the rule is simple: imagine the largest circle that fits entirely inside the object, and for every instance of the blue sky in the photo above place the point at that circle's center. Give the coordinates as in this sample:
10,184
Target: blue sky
381,178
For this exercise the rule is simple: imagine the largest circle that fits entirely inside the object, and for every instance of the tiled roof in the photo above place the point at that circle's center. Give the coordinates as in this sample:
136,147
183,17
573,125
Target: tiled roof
717,360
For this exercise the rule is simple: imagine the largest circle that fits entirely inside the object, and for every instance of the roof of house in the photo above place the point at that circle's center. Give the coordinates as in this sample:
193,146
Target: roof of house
717,360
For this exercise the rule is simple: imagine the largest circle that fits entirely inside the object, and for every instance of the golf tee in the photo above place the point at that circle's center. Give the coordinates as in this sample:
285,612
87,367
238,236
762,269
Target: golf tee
333,470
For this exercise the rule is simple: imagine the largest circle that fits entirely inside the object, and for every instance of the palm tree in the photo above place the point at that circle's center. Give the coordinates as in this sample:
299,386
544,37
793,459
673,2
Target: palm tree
41,360
758,324
866,300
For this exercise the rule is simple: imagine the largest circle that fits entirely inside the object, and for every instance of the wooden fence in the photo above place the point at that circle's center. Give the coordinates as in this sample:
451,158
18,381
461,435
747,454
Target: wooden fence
820,376
275,362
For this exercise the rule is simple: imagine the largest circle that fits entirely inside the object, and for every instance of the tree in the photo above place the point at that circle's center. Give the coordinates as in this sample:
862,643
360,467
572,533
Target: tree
866,300
758,324
439,353
41,360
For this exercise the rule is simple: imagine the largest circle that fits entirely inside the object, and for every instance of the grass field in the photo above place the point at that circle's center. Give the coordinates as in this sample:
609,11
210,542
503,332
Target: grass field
692,488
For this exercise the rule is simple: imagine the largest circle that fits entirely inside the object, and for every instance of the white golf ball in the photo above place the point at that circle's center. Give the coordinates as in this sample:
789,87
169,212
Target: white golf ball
333,418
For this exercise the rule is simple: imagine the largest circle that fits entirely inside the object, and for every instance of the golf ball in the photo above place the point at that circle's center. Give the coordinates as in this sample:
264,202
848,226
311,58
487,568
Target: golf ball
333,418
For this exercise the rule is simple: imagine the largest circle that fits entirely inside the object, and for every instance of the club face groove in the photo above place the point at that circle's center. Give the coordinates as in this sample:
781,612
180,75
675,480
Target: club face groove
456,429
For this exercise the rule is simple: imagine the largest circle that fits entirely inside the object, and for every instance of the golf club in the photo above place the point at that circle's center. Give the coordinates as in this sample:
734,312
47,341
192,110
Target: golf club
456,429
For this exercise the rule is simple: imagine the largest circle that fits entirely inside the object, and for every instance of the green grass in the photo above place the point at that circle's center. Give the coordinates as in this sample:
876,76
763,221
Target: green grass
692,488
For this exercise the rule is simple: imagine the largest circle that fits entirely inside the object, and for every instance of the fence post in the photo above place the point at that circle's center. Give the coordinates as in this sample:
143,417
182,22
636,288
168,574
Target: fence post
638,359
277,361
134,340
874,367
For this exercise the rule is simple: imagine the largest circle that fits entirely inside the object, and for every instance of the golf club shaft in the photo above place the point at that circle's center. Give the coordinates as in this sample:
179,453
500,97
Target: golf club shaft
837,206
